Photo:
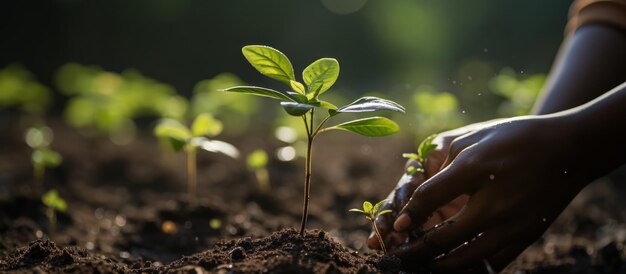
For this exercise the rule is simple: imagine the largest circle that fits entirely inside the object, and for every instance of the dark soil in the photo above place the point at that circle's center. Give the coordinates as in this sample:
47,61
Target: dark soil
127,212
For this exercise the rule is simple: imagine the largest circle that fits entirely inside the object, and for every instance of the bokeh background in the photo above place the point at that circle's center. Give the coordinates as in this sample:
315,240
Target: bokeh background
448,62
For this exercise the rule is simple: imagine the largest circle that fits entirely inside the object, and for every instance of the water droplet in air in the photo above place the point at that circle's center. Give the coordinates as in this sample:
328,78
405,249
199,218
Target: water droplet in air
491,177
479,94
454,82
521,72
543,220
469,78
485,50
564,171
463,111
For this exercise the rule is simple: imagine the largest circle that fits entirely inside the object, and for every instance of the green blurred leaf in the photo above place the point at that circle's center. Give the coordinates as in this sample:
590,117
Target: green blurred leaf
217,146
176,133
413,156
46,157
296,109
368,104
269,62
266,92
52,200
372,126
320,75
257,159
206,125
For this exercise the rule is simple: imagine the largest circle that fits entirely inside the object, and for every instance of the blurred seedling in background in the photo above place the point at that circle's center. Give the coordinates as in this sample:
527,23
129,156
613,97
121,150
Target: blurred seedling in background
257,162
39,139
183,138
371,212
19,89
53,203
303,100
423,151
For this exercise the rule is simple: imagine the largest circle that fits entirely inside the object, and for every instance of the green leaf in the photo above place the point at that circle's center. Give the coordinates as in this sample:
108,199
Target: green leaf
297,87
299,97
358,211
46,157
37,137
378,205
372,126
206,125
384,212
173,129
426,147
321,75
269,62
413,156
367,104
52,200
323,104
296,109
257,159
266,92
411,170
217,146
367,207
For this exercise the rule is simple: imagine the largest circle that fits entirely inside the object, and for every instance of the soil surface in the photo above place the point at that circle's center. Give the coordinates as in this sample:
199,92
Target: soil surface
128,212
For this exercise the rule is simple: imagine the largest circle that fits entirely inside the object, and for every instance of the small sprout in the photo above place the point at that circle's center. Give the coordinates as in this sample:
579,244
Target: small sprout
257,162
303,100
39,139
53,203
371,213
180,137
424,149
215,223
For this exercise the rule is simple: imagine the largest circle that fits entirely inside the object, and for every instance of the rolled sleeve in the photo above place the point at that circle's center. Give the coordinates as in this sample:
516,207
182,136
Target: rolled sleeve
608,12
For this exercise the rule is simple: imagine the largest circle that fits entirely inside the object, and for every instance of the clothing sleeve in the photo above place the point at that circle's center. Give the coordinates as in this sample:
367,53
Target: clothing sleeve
608,12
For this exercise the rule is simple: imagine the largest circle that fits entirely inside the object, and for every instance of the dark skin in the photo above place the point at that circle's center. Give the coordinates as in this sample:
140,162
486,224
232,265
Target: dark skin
499,184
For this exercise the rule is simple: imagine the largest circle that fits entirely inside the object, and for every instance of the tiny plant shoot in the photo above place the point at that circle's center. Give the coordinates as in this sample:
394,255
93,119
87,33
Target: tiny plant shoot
304,98
180,137
53,203
371,213
39,139
257,162
423,151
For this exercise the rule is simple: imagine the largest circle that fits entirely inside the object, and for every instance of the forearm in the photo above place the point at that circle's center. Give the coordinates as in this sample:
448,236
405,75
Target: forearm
590,62
599,131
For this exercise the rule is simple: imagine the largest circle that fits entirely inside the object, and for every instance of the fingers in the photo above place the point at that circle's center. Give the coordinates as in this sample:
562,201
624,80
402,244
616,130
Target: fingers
472,254
439,240
442,188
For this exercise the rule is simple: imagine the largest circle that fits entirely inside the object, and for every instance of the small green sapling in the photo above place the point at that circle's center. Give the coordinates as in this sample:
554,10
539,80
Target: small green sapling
257,162
423,151
190,139
371,213
39,139
303,100
53,203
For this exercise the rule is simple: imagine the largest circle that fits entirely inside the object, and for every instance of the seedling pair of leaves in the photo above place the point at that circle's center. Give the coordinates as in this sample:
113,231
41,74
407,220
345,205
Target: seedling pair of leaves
302,100
39,139
372,212
423,150
181,137
53,203
257,162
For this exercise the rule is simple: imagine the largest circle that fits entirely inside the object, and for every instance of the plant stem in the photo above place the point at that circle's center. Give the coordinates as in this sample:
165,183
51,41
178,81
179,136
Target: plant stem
191,174
39,171
380,238
307,173
52,220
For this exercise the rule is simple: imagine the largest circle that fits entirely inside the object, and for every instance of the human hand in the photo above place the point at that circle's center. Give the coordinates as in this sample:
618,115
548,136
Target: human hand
405,187
518,180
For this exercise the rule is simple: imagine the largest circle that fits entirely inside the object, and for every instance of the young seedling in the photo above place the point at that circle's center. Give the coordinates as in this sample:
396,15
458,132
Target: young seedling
423,151
190,139
53,203
371,213
39,139
303,100
257,162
